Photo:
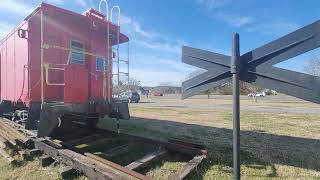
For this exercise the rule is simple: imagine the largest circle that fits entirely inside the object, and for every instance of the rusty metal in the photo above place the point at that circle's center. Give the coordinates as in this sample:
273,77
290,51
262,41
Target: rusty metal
172,145
146,160
96,167
117,166
77,161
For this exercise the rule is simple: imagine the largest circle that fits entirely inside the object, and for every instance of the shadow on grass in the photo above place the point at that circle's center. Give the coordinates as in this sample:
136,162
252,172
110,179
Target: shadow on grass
145,102
260,151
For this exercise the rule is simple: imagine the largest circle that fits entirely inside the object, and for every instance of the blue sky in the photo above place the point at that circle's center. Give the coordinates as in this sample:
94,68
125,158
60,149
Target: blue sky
158,29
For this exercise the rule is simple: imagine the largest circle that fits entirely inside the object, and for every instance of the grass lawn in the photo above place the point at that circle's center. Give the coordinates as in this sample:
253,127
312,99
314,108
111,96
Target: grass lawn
273,145
30,170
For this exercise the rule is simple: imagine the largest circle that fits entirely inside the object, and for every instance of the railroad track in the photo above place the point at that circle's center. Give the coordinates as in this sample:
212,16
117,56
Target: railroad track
104,154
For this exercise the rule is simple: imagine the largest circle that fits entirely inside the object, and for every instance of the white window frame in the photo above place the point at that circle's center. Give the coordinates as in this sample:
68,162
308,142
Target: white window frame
103,65
71,61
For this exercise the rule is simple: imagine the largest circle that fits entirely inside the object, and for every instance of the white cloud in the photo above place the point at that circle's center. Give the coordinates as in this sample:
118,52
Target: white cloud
151,51
235,20
152,69
60,2
5,28
15,7
274,28
134,26
213,4
176,65
216,9
81,3
157,46
125,20
149,39
137,28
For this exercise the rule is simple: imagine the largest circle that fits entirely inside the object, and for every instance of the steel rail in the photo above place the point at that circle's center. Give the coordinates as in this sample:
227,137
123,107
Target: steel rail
97,167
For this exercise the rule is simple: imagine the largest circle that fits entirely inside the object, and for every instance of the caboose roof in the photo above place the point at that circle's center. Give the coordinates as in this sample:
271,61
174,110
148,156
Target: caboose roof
89,15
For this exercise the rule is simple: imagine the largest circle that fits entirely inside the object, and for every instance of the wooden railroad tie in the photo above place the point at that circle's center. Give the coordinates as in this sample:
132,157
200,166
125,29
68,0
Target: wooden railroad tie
146,160
46,160
117,167
188,169
7,157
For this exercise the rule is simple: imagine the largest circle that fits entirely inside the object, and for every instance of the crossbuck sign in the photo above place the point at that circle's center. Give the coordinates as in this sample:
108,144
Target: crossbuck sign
255,67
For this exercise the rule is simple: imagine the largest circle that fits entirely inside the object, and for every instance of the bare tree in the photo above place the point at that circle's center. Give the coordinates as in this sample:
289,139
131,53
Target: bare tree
245,88
124,85
313,66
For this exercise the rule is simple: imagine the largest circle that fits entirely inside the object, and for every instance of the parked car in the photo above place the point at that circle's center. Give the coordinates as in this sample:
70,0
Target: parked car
274,92
262,94
157,94
132,97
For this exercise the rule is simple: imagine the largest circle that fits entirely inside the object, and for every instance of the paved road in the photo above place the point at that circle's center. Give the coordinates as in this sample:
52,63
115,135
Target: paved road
280,103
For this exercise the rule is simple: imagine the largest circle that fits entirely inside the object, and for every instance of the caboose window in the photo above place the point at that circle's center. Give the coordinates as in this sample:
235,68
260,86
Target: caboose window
100,63
76,57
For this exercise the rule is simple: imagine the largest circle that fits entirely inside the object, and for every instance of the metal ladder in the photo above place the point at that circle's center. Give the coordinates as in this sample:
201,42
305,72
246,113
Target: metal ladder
116,72
117,59
104,83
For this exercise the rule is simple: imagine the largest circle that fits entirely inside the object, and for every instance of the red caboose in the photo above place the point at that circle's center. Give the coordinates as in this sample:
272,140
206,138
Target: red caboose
58,63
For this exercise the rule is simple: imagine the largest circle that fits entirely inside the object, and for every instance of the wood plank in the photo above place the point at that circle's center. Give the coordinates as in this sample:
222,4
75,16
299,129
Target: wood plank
79,162
2,143
146,160
7,157
45,161
19,127
118,167
8,138
34,152
180,148
83,139
117,150
6,144
190,167
94,144
68,172
13,132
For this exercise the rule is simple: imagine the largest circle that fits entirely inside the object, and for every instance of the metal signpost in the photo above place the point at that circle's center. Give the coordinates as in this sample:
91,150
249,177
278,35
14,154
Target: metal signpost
255,67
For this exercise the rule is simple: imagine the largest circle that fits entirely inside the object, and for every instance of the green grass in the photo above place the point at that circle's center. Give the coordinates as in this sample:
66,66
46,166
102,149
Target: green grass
31,170
273,145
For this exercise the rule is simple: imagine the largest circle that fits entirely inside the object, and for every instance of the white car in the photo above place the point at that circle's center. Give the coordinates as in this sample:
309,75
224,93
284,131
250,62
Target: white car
262,94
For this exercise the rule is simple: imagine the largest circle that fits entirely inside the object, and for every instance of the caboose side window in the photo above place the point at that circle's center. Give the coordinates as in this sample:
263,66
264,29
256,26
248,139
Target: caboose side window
100,63
76,57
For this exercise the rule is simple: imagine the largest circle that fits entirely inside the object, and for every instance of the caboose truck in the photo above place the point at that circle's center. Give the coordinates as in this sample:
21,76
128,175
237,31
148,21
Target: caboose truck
56,69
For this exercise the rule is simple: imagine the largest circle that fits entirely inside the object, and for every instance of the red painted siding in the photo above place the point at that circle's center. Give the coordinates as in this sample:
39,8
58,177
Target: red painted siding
82,81
14,64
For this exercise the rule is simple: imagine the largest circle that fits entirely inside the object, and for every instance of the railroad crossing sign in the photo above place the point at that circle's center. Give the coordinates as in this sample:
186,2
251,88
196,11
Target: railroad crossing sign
255,67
